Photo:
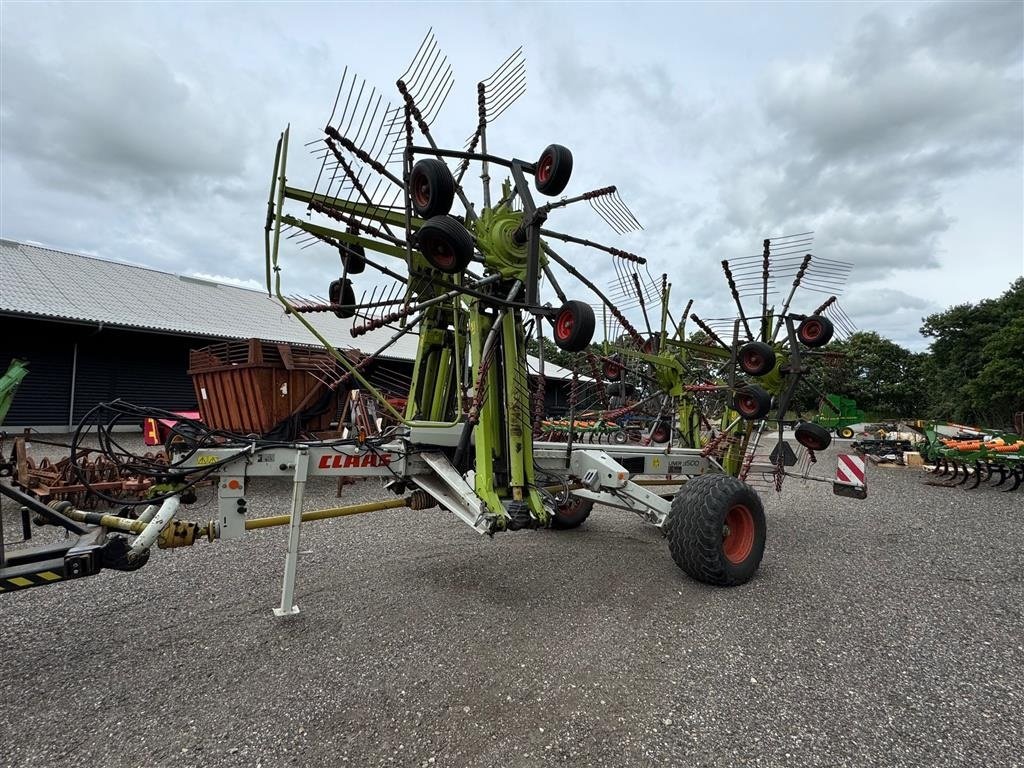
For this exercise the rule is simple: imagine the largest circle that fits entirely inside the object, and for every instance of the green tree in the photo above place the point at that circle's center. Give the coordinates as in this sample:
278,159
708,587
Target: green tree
974,373
883,377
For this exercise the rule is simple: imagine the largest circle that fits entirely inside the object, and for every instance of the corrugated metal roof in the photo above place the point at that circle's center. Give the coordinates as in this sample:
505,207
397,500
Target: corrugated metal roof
44,282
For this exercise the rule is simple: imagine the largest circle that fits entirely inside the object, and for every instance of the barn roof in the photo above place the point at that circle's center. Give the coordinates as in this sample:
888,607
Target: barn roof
47,283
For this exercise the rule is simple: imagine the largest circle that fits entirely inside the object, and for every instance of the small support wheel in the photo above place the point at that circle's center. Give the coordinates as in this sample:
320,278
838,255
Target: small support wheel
756,358
353,257
446,244
815,331
620,389
811,435
612,368
431,188
572,513
661,433
752,402
716,530
651,345
574,326
845,432
553,170
341,292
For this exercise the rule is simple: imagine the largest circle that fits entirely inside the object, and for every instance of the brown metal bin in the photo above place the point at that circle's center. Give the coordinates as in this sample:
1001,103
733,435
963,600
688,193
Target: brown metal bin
253,386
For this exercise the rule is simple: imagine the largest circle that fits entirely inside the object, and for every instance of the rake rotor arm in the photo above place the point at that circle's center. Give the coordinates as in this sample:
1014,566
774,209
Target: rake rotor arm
554,284
354,179
373,212
616,312
345,237
413,110
792,291
591,244
363,155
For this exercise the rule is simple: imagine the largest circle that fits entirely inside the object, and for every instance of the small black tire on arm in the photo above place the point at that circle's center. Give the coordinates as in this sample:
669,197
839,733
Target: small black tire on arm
554,168
574,326
446,244
572,513
811,435
815,331
431,188
752,402
716,530
756,358
353,257
342,292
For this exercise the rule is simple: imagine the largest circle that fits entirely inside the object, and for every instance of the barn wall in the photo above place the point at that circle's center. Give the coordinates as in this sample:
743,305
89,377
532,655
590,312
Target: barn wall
142,368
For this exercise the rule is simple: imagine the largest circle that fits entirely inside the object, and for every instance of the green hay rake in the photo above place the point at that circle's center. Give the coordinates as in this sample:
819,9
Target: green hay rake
465,276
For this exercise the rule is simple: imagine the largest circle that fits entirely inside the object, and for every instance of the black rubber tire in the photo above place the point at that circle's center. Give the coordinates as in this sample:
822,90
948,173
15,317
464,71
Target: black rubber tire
845,432
553,170
612,368
756,358
618,389
574,326
752,402
815,331
431,188
572,514
811,435
661,433
696,530
353,257
341,292
446,244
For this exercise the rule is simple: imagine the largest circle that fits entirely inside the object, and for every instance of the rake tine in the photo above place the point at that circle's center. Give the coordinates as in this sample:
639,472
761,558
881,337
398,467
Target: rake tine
956,470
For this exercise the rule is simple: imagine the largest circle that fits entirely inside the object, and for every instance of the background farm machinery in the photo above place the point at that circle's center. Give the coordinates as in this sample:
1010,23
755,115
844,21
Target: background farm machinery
968,456
469,280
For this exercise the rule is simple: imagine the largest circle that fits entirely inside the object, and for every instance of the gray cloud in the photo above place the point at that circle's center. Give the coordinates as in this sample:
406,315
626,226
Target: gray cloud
152,140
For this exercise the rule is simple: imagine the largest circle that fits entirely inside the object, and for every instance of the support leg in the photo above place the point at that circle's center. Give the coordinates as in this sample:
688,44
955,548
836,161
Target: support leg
291,562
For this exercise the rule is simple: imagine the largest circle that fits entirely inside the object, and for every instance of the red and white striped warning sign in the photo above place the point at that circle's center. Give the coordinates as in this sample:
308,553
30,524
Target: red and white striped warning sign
850,469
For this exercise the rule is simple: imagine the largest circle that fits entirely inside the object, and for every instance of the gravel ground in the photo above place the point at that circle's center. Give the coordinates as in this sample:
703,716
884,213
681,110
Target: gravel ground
881,632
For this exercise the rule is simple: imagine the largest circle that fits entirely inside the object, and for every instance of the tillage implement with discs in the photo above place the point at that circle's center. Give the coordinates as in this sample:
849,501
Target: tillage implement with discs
680,421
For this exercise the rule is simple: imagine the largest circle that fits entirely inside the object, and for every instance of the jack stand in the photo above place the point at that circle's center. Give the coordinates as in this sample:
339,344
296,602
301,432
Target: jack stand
291,562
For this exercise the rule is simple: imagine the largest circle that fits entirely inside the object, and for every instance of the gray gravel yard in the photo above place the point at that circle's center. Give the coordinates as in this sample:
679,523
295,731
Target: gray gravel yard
881,632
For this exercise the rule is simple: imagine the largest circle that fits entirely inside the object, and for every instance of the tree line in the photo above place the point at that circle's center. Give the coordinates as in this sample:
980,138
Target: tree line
973,371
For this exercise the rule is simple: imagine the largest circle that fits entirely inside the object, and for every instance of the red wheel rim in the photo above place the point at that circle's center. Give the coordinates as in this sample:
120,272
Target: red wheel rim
738,534
612,371
811,330
660,434
421,190
810,441
746,405
752,361
545,166
441,253
649,347
569,509
564,324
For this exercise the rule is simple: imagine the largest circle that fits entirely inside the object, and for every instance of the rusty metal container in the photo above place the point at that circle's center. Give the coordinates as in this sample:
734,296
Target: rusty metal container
259,387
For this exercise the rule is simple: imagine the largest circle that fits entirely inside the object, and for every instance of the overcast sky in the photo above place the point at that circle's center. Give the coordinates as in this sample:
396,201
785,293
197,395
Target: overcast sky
145,133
